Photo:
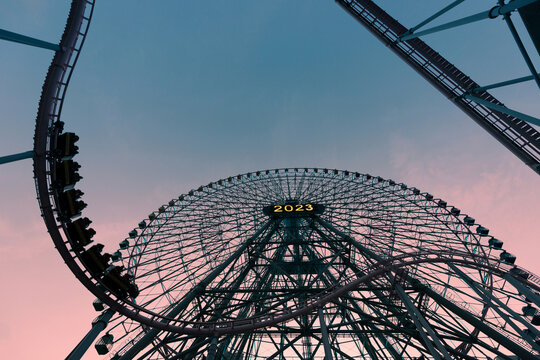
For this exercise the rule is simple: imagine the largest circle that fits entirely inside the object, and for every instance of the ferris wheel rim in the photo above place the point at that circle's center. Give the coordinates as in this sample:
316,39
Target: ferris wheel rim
208,329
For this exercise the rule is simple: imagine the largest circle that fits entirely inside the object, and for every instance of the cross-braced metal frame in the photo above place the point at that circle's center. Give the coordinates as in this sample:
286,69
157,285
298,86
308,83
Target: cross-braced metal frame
383,272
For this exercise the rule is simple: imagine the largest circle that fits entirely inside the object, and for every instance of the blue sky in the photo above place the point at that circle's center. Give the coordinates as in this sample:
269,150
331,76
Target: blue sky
174,95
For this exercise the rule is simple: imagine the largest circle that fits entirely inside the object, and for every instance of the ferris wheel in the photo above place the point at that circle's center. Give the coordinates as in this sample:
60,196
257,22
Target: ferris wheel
319,264
341,252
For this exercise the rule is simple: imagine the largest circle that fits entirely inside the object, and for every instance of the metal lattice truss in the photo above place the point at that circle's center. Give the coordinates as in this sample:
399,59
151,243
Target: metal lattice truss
384,272
510,127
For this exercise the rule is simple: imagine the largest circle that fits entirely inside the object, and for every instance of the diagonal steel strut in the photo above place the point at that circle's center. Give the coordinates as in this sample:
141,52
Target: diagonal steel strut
514,133
195,291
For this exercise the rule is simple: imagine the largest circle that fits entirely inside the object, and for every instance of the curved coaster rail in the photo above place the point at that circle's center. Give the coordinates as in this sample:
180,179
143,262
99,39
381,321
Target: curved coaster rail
48,127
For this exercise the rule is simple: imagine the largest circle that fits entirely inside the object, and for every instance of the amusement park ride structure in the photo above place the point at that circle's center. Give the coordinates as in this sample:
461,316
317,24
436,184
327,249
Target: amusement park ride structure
381,267
320,263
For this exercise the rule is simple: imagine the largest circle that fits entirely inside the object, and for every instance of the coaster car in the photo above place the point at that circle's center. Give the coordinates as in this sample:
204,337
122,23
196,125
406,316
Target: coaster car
69,203
120,284
79,233
65,146
67,174
94,261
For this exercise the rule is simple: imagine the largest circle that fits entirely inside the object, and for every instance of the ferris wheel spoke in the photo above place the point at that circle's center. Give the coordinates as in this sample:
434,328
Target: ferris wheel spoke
377,318
365,251
338,233
236,345
379,312
178,308
283,347
476,322
331,348
232,285
423,327
389,347
358,330
331,242
192,351
370,287
497,305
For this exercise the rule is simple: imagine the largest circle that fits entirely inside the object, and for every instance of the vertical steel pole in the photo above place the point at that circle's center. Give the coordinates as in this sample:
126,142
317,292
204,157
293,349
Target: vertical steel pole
212,349
324,334
98,326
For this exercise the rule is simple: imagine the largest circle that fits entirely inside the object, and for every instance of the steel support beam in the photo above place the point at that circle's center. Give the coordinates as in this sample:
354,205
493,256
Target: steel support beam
339,351
514,133
194,292
284,347
212,349
348,239
16,157
27,40
434,16
389,347
186,354
521,47
223,304
98,326
324,335
478,323
489,14
504,109
422,326
503,83
441,300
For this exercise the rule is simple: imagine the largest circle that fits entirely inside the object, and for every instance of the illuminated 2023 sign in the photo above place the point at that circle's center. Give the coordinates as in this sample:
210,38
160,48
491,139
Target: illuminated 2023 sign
293,209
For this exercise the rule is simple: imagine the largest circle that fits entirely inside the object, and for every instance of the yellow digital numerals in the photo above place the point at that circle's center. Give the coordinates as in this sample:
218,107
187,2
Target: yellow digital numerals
293,209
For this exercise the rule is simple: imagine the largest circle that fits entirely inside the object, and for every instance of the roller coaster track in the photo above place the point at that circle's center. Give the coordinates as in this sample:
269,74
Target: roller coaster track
515,134
47,129
379,269
46,133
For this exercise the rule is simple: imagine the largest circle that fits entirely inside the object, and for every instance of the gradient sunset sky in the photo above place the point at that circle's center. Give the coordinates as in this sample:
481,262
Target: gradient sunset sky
170,95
